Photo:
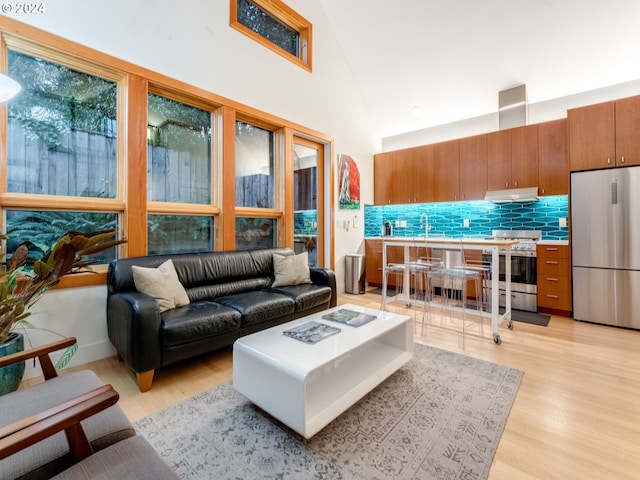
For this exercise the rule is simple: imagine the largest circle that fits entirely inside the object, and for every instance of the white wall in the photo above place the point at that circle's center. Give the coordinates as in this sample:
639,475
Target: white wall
538,112
192,41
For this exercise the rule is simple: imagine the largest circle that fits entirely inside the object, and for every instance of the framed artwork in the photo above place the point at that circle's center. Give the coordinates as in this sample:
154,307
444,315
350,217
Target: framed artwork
349,182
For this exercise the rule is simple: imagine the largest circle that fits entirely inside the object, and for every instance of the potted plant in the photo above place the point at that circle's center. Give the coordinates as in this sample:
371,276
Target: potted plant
21,287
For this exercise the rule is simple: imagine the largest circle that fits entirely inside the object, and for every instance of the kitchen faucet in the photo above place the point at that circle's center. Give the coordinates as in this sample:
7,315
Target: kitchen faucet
425,224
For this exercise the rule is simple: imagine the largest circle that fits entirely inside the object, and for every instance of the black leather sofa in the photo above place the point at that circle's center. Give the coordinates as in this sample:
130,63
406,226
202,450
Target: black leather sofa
230,296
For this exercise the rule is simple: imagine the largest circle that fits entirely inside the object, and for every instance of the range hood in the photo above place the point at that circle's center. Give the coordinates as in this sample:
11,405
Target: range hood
529,194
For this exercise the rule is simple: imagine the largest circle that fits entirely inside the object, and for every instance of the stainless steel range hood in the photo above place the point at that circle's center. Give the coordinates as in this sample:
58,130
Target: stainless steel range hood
529,194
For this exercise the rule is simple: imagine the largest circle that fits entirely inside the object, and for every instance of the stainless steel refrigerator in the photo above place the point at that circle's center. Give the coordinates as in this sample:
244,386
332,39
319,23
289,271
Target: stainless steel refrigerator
605,246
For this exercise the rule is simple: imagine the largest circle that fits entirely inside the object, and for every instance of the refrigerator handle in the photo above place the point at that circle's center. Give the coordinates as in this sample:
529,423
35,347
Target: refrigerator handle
614,193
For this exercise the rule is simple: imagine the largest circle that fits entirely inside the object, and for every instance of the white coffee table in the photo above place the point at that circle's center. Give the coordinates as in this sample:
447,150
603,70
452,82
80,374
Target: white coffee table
307,386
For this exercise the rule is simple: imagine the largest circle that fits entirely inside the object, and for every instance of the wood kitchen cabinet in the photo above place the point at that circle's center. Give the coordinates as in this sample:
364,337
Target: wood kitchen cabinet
473,167
404,176
554,279
604,135
447,171
553,162
373,262
512,158
382,178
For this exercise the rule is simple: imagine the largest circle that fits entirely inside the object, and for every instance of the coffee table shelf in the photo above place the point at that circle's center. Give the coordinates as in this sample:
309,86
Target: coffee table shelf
307,386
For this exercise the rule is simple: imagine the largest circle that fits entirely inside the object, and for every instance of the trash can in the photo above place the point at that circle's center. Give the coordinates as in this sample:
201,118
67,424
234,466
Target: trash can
354,275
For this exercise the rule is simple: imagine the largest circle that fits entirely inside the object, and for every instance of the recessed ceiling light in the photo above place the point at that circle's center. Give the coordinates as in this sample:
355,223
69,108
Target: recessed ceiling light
416,111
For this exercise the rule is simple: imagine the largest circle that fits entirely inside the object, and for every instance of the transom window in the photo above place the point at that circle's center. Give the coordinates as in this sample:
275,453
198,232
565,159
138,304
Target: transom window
276,26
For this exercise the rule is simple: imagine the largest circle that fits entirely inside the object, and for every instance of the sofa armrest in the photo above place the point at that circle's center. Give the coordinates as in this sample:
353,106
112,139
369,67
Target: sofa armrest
65,416
42,353
133,323
325,277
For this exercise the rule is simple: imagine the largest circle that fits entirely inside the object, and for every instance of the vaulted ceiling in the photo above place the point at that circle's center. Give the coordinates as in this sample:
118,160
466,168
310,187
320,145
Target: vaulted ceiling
452,57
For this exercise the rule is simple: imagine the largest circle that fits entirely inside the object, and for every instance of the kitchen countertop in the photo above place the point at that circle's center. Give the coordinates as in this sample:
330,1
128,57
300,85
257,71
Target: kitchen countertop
552,242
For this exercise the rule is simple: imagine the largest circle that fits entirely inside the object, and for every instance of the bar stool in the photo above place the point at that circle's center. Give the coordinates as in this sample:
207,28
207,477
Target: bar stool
454,278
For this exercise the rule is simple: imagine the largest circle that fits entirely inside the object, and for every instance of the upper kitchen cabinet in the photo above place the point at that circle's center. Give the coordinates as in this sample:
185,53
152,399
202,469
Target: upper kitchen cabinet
423,174
604,135
512,158
553,164
524,157
447,171
473,167
498,160
404,176
382,178
401,177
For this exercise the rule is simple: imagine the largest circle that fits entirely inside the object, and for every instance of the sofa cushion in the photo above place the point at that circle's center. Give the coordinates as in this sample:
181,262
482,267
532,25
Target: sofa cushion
162,284
198,320
291,269
305,296
258,307
207,292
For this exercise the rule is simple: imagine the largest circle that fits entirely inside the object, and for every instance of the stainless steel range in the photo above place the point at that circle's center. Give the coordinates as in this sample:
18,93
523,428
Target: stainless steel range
524,289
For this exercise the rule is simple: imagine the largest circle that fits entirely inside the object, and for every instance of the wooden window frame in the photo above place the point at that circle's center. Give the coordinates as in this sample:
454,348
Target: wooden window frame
134,84
286,15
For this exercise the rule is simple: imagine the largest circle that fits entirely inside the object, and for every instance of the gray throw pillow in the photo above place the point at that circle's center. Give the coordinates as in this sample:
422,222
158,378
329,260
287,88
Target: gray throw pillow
291,269
162,284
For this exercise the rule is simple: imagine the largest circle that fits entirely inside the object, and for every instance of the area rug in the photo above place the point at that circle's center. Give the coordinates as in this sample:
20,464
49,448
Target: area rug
441,416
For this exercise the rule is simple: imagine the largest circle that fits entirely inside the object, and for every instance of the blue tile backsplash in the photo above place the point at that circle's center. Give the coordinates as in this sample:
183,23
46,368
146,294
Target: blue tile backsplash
447,219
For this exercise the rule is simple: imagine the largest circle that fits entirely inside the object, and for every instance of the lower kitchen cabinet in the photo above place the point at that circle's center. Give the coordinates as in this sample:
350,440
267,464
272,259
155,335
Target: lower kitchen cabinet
554,279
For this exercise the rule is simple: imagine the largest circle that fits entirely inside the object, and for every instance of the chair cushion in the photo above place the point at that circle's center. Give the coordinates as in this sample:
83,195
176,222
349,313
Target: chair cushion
130,458
258,307
197,321
51,456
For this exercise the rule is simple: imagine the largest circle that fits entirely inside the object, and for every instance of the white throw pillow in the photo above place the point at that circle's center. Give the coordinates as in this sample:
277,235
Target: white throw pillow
162,284
291,269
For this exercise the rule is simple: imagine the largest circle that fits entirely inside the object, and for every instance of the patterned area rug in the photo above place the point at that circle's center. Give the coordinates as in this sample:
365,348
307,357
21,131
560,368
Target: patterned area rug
441,416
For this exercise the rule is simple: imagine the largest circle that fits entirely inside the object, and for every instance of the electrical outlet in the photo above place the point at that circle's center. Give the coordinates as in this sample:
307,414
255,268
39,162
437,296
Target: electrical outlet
397,223
403,223
563,222
466,222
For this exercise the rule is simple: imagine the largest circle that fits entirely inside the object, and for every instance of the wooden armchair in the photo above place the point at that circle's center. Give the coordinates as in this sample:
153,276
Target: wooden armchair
46,403
130,458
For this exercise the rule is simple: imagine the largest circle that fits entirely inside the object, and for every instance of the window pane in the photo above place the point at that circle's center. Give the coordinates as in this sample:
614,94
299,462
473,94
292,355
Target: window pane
254,233
179,142
179,234
305,201
61,131
254,166
44,228
268,27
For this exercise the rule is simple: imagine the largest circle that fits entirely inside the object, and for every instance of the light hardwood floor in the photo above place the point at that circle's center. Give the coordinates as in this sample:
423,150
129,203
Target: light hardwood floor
576,415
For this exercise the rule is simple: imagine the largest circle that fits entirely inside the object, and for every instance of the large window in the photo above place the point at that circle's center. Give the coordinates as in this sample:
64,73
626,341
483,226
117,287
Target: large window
179,142
179,234
62,135
179,172
254,166
62,167
254,233
42,228
276,26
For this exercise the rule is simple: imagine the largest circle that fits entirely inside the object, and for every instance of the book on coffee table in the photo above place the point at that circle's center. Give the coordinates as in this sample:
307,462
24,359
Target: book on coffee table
350,317
311,332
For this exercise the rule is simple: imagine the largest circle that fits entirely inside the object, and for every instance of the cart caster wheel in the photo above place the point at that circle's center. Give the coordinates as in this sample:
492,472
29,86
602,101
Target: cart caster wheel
510,325
497,339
